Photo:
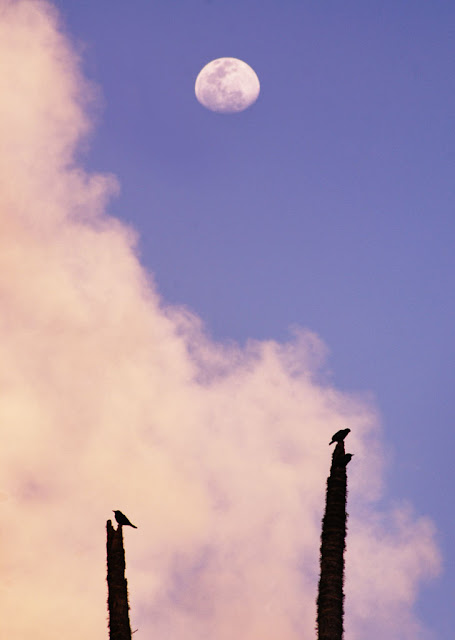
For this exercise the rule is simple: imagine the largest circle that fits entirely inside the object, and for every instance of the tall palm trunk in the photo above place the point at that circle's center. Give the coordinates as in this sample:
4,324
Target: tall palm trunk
119,621
330,596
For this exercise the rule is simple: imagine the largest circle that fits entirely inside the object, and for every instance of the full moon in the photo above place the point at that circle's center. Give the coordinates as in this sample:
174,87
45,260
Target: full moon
227,85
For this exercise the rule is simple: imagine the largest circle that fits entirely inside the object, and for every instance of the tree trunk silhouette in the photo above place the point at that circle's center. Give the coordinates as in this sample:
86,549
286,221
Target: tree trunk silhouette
333,539
119,621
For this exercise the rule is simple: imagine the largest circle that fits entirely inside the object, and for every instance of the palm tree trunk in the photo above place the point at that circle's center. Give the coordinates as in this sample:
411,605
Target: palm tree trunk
333,539
119,621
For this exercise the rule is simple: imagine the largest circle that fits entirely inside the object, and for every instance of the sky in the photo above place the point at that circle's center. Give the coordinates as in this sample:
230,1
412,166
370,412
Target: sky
193,303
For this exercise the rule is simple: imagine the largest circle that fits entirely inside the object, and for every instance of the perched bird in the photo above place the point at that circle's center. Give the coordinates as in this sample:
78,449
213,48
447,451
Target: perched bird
123,520
339,436
346,459
342,461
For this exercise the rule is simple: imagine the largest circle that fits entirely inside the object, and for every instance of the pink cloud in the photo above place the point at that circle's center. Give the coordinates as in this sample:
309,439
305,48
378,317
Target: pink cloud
112,399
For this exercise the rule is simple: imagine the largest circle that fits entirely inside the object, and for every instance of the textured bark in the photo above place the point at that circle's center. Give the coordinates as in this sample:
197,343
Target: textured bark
119,621
333,539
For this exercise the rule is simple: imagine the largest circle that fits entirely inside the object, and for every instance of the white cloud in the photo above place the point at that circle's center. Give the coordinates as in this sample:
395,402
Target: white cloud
109,398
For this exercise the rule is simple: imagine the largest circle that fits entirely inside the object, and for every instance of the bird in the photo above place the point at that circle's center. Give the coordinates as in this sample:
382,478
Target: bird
342,461
123,520
346,459
339,436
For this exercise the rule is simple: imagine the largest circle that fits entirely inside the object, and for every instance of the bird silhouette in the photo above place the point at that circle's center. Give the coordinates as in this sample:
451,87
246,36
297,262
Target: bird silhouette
342,461
339,436
346,459
123,520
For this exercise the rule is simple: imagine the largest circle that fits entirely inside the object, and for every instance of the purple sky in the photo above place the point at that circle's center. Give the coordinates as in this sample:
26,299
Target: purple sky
328,205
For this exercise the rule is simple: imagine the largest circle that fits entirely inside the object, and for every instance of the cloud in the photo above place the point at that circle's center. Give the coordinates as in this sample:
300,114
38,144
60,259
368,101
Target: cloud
110,398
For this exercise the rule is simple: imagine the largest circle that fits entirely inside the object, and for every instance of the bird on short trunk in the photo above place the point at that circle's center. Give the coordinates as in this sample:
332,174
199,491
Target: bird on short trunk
339,436
123,520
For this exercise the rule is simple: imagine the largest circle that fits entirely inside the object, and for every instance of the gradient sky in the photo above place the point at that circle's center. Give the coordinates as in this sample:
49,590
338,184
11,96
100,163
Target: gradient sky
326,207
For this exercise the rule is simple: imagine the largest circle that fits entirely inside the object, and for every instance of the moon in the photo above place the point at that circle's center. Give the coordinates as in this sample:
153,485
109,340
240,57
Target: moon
227,85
